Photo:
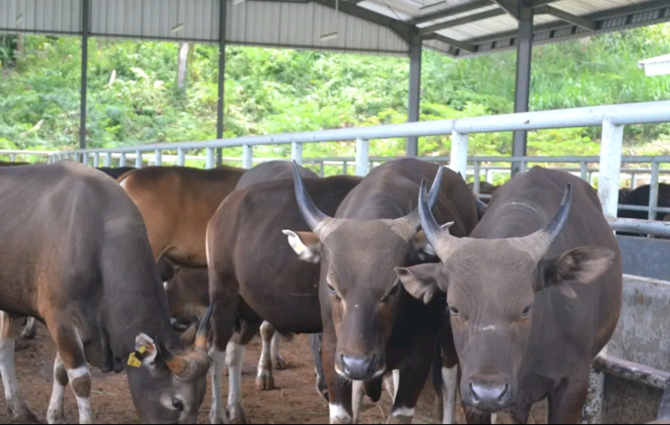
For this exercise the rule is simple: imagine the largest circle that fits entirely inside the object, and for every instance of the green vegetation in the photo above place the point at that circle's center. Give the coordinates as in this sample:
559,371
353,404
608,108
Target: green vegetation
134,99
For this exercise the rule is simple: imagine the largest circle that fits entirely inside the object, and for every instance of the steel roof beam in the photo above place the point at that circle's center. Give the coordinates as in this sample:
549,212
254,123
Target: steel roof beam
401,28
456,10
513,9
580,21
462,21
450,41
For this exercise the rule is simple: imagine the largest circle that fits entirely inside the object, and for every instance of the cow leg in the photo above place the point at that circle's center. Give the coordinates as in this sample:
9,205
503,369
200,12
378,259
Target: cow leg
264,379
225,301
339,390
315,341
278,361
9,331
235,359
449,374
357,394
55,413
30,330
71,352
413,376
566,403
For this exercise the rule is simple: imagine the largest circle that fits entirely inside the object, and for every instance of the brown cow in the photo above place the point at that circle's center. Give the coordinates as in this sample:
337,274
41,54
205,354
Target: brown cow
370,325
532,299
75,255
176,204
255,276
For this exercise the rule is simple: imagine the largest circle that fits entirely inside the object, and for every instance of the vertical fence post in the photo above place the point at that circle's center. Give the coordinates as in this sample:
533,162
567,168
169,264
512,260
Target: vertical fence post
633,180
138,159
108,159
459,153
247,156
653,190
345,167
13,157
96,160
158,157
122,160
181,158
322,170
476,187
296,152
362,157
608,192
584,167
209,164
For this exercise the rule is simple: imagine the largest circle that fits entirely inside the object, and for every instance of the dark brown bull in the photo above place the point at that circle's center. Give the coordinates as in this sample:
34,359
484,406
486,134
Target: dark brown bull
255,276
532,299
370,325
75,255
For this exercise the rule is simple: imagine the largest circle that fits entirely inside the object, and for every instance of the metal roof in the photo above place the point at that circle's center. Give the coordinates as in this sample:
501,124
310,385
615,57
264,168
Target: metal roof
456,27
659,65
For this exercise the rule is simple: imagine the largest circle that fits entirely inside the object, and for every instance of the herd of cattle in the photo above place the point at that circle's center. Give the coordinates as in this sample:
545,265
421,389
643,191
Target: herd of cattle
168,272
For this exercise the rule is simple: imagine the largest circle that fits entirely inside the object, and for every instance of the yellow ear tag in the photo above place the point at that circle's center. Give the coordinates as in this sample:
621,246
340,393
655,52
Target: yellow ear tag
143,349
133,361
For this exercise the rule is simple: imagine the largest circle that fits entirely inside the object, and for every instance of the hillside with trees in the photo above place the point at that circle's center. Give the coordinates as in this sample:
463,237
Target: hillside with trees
134,96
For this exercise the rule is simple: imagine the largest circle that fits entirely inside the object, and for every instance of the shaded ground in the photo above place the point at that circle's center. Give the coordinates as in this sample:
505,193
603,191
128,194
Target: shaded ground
295,401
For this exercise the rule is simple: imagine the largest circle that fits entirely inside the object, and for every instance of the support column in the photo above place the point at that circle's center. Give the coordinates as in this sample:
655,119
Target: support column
85,21
524,54
222,76
415,49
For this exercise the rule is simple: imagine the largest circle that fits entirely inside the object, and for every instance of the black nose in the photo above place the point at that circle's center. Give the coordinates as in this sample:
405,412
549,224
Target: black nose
488,396
358,368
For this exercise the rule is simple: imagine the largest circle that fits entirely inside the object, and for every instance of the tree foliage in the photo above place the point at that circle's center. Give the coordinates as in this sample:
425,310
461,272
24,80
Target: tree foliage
133,96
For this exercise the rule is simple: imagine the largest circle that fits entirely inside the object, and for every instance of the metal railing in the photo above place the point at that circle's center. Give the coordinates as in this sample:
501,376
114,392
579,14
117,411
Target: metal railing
611,118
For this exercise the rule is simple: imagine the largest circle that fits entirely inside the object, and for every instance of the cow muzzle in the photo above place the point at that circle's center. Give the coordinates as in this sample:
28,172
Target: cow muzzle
361,368
489,396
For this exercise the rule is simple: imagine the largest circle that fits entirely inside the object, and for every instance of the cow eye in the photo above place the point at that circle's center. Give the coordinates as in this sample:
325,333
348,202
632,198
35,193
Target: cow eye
178,405
527,310
333,291
453,310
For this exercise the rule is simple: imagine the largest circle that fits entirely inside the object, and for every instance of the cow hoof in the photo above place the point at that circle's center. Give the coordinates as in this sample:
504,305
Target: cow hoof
265,382
237,415
217,418
400,419
279,363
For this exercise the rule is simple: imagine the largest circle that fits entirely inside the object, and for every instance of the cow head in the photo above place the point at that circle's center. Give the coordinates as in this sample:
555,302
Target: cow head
357,278
168,384
491,286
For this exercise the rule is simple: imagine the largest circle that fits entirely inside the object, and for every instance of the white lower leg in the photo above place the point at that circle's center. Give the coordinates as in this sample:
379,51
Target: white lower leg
217,413
9,380
396,382
55,413
80,381
338,414
264,379
494,418
235,358
276,355
449,382
357,394
402,412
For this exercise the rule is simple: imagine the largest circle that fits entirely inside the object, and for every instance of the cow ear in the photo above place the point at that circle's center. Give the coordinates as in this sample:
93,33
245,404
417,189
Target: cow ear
145,354
421,280
581,265
306,244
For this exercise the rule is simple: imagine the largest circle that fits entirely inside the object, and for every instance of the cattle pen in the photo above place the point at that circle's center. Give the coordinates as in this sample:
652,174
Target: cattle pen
634,369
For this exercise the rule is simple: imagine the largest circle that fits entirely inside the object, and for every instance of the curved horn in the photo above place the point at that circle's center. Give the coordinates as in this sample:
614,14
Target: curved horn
195,363
436,235
539,242
411,222
312,215
203,330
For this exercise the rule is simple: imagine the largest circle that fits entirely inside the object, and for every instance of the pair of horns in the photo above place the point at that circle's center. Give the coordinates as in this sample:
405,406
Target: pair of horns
536,244
196,362
321,224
